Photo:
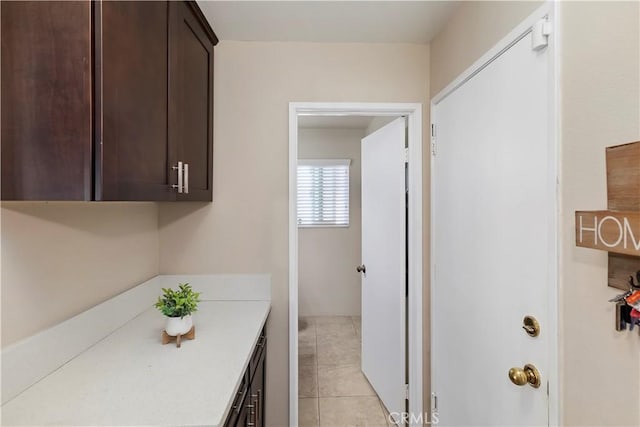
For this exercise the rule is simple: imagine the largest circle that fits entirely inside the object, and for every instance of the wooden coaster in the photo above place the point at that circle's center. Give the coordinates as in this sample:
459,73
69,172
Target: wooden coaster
191,335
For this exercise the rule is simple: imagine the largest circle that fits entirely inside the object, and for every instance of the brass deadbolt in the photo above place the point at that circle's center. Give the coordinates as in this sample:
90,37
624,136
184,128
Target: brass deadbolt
531,326
529,375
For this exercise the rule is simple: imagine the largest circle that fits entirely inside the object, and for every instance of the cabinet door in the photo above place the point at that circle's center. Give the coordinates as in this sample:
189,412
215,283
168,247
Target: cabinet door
191,98
257,393
46,100
135,159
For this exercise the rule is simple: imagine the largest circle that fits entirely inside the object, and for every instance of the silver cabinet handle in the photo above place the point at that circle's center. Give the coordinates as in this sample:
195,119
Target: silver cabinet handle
186,178
179,169
259,407
238,406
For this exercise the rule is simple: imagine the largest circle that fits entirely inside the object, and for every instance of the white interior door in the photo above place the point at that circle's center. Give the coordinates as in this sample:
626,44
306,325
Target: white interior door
383,255
493,230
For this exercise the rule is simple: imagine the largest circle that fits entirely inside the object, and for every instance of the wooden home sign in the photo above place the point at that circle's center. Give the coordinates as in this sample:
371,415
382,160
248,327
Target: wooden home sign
612,231
617,230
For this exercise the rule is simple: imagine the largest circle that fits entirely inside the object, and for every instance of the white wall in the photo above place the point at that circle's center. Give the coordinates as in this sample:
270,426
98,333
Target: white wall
61,258
245,229
600,107
328,283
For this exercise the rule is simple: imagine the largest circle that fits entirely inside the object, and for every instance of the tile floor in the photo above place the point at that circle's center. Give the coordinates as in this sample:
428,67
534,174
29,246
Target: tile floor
332,391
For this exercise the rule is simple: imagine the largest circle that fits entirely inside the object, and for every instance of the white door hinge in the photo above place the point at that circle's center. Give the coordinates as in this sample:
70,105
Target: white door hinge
406,155
434,402
406,391
433,139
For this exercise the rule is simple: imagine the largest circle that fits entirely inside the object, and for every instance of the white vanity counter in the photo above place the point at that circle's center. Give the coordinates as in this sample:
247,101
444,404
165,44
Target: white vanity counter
130,378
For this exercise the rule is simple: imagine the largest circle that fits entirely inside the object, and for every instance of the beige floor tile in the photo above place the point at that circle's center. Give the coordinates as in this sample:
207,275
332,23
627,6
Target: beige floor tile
357,324
351,411
336,330
307,381
306,329
307,346
341,381
305,321
390,421
324,320
307,360
308,413
307,340
338,351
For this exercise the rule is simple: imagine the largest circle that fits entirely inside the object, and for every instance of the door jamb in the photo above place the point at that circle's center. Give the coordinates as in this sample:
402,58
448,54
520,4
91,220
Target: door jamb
413,111
551,10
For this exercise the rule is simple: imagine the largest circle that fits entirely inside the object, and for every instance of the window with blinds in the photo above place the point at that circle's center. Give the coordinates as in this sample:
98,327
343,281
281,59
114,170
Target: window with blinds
323,193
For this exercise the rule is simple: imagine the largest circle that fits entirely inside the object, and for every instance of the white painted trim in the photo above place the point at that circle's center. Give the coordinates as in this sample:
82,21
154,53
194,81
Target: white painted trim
554,111
413,111
293,266
550,9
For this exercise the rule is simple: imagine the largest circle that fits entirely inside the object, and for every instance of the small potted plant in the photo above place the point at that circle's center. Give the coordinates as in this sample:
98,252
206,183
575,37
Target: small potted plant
178,307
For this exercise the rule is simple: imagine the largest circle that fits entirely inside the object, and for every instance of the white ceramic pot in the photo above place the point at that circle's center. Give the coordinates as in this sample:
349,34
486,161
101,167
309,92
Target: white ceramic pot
178,325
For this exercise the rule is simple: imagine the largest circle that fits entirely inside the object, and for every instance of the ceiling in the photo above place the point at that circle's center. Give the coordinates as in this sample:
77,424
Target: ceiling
328,21
334,122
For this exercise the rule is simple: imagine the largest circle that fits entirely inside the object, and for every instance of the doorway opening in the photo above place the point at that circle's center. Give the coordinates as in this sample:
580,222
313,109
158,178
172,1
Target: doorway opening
342,350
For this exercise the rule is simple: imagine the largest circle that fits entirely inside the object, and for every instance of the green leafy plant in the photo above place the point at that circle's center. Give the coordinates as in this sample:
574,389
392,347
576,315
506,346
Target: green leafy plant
178,303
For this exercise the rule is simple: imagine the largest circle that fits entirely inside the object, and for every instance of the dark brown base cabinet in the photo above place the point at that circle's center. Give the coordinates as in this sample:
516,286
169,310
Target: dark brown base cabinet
247,409
106,101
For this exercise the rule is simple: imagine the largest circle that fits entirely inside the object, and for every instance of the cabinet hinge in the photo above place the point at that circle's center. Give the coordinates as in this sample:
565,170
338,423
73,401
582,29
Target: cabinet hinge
406,155
406,391
434,402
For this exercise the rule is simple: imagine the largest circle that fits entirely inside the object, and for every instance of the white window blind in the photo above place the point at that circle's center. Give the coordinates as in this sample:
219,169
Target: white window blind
323,192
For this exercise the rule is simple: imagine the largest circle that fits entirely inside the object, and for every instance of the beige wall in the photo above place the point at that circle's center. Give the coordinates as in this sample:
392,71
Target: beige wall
245,229
328,284
600,92
600,85
473,28
59,259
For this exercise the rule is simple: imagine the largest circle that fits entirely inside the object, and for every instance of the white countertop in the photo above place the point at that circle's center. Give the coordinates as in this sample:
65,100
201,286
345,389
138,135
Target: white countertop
130,378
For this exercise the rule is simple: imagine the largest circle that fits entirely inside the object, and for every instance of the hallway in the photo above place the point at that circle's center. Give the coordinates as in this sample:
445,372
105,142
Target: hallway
332,391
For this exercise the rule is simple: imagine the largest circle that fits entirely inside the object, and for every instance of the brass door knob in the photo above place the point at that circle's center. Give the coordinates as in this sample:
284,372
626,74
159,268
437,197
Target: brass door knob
529,375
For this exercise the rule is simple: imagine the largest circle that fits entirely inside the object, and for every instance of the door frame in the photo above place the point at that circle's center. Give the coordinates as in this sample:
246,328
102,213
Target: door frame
413,111
551,10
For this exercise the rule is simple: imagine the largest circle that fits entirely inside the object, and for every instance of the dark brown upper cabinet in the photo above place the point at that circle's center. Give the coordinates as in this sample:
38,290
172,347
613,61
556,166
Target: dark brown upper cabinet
46,100
191,96
136,123
132,102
